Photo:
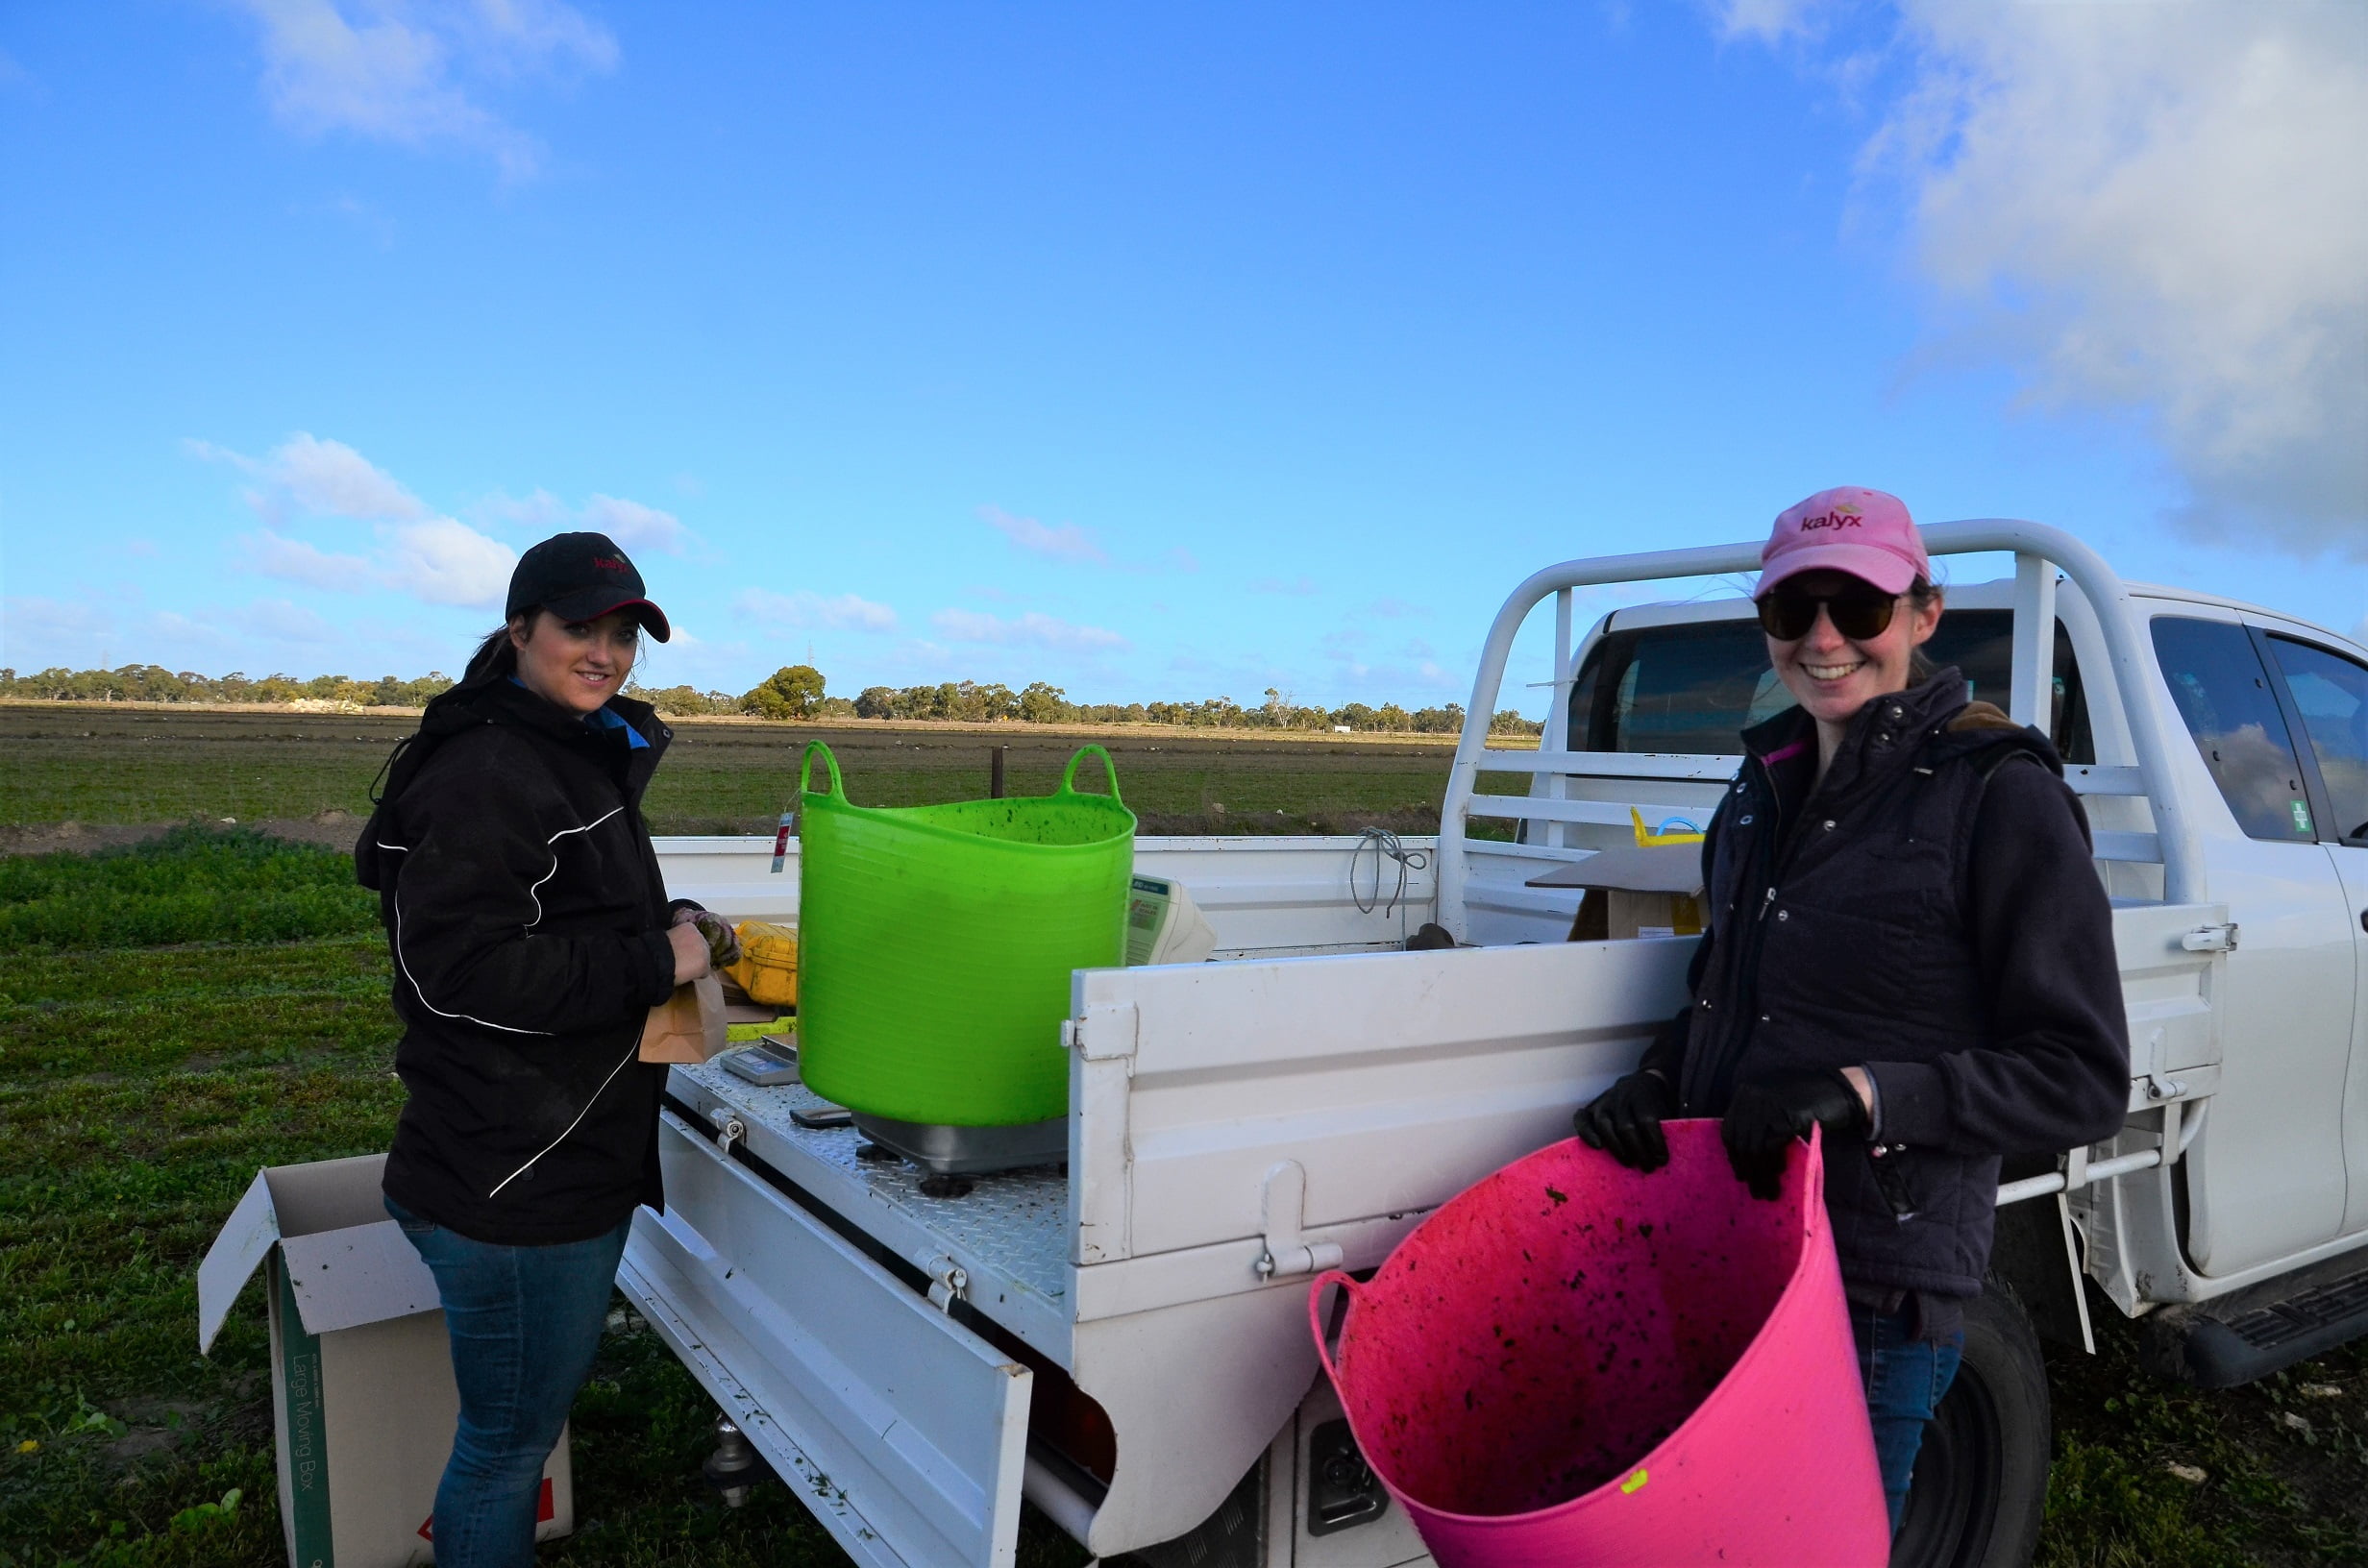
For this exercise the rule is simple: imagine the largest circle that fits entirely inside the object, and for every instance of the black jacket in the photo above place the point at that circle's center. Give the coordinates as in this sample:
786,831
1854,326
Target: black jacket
528,923
1928,910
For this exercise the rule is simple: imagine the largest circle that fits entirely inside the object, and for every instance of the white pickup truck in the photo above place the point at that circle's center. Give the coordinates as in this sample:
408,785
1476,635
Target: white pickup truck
1123,1340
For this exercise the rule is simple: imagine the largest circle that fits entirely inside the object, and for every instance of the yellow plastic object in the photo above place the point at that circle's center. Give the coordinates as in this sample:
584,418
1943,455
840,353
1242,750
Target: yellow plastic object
767,968
938,942
1649,835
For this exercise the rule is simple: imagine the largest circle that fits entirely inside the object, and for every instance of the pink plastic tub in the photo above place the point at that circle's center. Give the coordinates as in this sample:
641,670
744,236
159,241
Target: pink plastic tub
1572,1364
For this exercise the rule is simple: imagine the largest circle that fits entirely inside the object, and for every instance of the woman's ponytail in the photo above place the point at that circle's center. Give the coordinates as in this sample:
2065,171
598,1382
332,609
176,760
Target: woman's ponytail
1921,669
495,657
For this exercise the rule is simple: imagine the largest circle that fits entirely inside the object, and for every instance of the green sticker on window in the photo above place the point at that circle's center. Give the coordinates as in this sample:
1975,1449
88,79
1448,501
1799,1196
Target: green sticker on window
2302,819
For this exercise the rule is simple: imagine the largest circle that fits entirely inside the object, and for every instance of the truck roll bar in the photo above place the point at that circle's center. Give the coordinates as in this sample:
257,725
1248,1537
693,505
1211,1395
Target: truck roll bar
2040,552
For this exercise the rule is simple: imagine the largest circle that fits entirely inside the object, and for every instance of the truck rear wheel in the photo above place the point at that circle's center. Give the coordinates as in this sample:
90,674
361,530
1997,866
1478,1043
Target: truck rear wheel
1980,1478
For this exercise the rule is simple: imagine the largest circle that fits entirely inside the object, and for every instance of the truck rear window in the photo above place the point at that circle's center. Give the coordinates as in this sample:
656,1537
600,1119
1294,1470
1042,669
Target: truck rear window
1696,688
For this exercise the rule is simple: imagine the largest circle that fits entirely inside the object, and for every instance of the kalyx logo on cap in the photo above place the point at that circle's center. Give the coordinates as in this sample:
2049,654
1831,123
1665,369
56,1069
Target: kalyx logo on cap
1866,533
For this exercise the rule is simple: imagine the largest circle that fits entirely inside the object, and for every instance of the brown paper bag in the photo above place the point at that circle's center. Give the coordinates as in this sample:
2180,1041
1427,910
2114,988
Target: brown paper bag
688,1026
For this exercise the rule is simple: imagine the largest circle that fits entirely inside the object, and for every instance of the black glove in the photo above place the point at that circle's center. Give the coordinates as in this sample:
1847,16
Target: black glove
1766,1116
1624,1121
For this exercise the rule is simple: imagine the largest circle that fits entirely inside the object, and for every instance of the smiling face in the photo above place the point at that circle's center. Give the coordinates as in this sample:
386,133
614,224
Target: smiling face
579,665
1832,675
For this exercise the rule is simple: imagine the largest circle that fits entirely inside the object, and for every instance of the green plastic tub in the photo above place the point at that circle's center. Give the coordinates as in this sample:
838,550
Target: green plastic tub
935,945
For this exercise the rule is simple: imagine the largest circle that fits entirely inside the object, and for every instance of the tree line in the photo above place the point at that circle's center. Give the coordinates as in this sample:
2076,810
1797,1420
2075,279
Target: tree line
794,692
154,683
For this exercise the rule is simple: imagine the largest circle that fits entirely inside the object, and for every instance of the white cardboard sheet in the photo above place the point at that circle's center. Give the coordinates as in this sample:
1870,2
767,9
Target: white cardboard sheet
347,1262
246,1238
362,1274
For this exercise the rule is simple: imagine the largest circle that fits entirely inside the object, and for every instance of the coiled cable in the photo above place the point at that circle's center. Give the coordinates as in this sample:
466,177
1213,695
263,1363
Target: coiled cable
1387,847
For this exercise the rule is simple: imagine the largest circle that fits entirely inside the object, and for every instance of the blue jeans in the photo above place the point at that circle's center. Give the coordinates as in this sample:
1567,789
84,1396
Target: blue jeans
1905,1380
524,1322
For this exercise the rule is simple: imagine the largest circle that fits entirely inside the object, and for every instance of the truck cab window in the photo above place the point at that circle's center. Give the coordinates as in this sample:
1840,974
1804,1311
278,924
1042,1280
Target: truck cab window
2224,695
2331,693
1685,688
1696,688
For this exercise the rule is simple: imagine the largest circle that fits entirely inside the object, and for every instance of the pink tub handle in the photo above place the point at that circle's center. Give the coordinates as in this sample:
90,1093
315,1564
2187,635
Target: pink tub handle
1315,1310
1812,1196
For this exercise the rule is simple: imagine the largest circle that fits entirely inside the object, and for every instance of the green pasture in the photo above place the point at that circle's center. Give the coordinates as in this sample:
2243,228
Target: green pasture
175,1014
140,1086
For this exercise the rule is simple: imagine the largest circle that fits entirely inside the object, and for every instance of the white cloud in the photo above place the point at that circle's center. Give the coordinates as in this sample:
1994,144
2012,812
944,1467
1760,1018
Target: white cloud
808,611
420,552
2159,208
298,561
1770,22
541,511
629,523
1065,542
1033,629
634,525
390,71
330,479
322,478
444,561
437,559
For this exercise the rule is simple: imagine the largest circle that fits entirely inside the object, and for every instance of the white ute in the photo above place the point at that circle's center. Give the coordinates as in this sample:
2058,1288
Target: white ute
1123,1343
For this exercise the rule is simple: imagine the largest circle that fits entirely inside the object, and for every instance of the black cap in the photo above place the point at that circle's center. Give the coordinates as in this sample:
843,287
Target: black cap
582,577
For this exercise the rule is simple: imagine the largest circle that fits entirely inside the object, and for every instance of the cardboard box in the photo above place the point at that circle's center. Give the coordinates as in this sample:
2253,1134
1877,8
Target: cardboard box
362,1400
1644,890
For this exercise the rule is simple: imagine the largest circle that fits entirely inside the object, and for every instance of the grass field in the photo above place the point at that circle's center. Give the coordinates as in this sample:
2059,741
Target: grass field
140,1086
174,1015
105,763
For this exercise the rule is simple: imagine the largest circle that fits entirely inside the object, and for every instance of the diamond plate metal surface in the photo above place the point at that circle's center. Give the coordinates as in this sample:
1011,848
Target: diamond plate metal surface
1014,1222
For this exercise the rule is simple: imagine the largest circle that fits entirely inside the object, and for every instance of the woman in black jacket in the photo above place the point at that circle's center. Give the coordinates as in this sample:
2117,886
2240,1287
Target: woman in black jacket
1906,942
530,935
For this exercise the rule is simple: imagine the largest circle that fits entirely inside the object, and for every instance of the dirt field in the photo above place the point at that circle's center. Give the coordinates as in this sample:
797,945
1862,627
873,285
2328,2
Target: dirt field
110,766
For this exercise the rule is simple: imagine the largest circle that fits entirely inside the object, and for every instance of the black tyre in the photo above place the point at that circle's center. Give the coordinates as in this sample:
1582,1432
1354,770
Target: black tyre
1980,1478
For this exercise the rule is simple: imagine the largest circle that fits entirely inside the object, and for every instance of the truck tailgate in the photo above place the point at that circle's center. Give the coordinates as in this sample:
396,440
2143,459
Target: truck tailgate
906,1432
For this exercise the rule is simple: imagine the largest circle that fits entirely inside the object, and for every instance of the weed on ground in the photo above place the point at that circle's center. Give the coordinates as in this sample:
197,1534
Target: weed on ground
2150,1473
191,885
141,1086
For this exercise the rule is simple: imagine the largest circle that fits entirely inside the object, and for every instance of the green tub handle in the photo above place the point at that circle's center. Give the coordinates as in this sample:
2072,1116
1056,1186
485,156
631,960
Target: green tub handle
1069,775
806,765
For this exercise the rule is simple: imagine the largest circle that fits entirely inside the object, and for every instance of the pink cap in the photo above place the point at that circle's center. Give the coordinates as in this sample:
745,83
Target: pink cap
1847,529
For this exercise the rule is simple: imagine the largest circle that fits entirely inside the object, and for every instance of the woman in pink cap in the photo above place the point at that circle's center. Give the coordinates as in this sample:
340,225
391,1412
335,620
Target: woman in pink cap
1905,943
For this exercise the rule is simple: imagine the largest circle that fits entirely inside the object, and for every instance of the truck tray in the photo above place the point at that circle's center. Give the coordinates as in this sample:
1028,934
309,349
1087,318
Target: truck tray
1009,1233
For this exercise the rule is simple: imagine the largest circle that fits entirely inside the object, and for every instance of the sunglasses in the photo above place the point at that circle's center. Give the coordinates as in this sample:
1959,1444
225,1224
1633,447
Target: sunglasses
1858,613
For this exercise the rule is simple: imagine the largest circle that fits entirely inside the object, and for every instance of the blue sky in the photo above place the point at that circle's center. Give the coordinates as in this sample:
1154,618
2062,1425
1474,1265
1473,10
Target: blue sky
1152,351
